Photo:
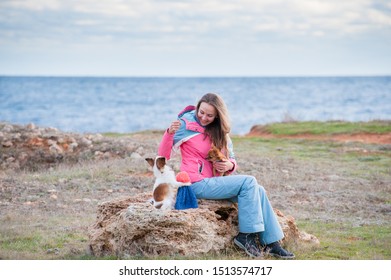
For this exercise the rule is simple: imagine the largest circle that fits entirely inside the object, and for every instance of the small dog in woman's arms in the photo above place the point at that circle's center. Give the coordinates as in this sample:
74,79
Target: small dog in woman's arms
215,155
166,184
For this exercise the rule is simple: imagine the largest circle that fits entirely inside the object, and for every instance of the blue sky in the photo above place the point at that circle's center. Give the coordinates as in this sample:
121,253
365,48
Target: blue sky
195,38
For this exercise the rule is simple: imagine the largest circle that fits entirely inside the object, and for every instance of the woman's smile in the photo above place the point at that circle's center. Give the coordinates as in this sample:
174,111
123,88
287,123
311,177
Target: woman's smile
206,114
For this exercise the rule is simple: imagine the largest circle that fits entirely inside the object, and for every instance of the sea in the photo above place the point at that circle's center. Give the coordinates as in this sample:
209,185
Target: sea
132,104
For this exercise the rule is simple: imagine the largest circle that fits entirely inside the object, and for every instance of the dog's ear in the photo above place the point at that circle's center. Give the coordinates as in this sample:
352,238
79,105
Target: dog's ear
160,162
150,161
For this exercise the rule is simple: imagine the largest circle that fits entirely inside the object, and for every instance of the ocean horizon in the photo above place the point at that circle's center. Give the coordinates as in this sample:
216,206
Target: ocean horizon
131,104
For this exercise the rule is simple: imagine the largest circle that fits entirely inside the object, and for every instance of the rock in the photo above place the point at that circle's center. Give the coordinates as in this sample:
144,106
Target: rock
8,128
55,251
31,126
86,142
7,144
16,136
10,159
55,149
259,130
51,142
98,153
135,155
72,146
132,226
96,137
291,231
140,150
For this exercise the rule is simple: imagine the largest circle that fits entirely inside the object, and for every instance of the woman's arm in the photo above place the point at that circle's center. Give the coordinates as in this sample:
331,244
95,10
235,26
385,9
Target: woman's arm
165,145
228,166
167,142
231,155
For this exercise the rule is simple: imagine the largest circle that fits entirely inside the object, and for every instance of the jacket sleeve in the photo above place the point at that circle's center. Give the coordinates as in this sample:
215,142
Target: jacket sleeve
166,144
231,155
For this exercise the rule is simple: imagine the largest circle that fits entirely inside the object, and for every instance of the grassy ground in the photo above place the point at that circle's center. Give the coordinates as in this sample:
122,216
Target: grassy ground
338,191
327,128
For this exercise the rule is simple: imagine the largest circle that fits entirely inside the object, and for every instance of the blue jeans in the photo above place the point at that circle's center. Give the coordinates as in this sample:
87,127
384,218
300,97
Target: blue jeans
255,213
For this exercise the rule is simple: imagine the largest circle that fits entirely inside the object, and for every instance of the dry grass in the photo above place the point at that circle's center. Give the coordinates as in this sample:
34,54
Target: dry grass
341,192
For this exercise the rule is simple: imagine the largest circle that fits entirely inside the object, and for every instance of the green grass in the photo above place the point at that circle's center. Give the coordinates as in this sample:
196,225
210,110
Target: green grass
328,128
28,243
39,243
345,242
355,157
293,128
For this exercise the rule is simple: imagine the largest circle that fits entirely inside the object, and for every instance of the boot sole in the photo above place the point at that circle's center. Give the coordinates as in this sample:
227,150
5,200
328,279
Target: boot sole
240,245
282,257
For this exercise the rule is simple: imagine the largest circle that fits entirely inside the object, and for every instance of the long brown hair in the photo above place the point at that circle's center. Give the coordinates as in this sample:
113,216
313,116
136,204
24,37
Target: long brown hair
221,126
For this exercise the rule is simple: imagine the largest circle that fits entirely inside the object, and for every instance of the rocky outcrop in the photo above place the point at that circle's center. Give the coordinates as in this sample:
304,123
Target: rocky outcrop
31,147
132,226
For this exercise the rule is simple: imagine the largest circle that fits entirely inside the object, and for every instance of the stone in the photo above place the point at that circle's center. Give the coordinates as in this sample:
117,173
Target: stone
135,155
55,149
86,142
31,126
132,226
7,144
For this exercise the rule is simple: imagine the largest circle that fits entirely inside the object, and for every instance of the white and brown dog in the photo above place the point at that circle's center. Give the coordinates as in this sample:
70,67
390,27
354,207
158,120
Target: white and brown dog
166,185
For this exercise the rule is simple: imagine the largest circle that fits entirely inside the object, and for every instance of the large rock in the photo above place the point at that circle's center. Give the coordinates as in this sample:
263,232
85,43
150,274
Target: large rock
132,226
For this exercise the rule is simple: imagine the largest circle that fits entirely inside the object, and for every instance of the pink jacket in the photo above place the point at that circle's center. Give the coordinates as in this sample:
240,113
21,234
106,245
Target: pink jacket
193,145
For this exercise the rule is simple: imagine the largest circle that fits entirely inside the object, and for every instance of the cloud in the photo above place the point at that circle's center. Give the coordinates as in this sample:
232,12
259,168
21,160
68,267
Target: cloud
219,28
35,5
294,17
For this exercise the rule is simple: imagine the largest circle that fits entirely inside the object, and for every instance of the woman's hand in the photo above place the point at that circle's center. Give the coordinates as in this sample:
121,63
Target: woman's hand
175,125
223,166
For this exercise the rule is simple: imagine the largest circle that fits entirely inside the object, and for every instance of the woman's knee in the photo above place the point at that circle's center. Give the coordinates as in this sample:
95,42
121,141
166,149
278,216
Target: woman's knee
251,182
252,179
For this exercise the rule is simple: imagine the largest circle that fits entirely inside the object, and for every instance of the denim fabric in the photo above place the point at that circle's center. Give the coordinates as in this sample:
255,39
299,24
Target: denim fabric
255,213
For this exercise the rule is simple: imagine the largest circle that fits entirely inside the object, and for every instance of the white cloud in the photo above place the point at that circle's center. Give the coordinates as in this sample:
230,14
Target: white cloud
34,5
336,15
292,17
253,28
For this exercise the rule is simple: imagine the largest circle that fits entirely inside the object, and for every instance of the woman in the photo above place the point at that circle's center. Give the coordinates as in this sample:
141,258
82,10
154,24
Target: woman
195,131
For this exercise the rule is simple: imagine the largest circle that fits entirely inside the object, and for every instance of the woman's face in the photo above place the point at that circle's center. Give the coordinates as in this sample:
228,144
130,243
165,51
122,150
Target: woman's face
206,114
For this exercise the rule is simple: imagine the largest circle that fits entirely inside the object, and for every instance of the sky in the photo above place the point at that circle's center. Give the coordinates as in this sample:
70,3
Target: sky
195,38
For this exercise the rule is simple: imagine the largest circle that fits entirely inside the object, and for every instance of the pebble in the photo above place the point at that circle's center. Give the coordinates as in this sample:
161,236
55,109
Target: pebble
55,251
135,155
7,144
31,126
